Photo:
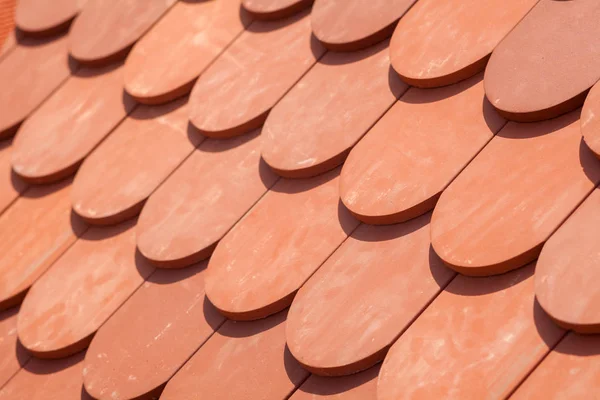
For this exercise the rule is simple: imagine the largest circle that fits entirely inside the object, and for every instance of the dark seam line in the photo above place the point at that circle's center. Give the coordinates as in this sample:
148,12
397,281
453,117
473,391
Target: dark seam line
296,387
16,372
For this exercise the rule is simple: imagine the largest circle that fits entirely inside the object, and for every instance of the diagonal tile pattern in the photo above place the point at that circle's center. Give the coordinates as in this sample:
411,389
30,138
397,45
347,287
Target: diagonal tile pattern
299,124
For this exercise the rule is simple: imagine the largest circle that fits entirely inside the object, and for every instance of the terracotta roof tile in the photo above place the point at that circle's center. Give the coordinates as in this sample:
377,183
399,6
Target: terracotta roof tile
157,71
245,220
114,182
234,95
106,30
307,133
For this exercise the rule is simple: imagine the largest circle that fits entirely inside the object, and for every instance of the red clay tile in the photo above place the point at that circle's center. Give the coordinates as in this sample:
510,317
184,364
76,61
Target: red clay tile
544,67
106,30
66,306
196,206
345,318
360,386
261,263
590,123
28,75
53,142
567,271
158,329
158,71
477,340
571,371
312,129
242,360
398,170
350,25
9,44
275,9
439,43
43,17
47,380
116,179
12,355
234,95
10,184
508,201
34,232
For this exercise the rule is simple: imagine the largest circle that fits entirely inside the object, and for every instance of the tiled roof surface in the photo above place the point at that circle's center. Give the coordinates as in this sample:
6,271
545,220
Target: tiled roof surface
298,199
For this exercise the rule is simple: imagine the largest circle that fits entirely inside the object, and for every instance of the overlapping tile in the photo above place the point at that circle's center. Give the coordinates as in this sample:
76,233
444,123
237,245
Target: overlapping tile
234,95
590,120
43,18
163,324
104,31
34,232
242,360
360,386
570,371
66,306
116,179
545,66
478,339
53,142
165,63
12,355
28,75
439,43
399,169
349,25
275,9
565,275
11,186
199,203
257,268
312,129
47,380
345,318
508,201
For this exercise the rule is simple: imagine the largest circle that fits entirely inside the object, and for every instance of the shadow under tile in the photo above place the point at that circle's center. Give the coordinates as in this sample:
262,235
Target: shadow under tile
331,386
479,286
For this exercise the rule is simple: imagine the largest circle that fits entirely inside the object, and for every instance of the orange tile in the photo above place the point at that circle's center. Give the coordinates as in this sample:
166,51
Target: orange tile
257,268
243,360
590,123
275,9
345,318
439,43
566,284
34,232
571,371
9,43
158,71
11,186
196,206
91,280
53,142
29,74
122,23
116,179
350,25
234,95
360,386
47,380
312,129
537,72
158,329
398,170
44,18
508,201
478,339
12,355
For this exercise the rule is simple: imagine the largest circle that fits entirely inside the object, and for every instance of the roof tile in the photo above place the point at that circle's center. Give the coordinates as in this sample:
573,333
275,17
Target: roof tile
200,202
157,71
235,94
590,126
360,386
11,186
12,355
312,129
526,181
43,18
159,328
347,315
275,9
